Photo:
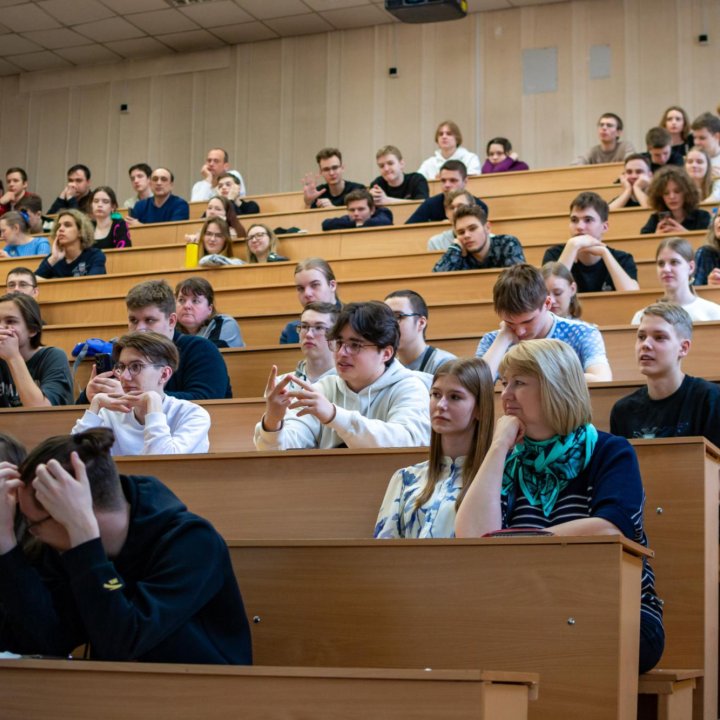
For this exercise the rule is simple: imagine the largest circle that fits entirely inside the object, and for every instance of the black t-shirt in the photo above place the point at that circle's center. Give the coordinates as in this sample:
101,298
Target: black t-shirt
338,200
693,409
413,187
594,278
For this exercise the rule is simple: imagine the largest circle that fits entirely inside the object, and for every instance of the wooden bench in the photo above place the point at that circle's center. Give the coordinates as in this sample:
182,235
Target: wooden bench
667,694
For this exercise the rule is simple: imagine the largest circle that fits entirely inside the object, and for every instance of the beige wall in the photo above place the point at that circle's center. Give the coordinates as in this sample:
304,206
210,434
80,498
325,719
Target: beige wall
273,104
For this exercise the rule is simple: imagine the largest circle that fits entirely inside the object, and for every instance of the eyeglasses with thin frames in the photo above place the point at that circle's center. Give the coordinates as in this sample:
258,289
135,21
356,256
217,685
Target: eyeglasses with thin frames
134,368
352,347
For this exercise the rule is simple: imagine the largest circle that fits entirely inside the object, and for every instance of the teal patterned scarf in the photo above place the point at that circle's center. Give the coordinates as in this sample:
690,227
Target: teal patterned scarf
542,469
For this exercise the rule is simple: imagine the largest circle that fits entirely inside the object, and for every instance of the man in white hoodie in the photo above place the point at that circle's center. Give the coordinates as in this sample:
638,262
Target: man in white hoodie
373,401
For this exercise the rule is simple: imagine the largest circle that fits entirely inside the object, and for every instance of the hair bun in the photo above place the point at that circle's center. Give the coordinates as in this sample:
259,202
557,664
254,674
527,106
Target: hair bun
97,441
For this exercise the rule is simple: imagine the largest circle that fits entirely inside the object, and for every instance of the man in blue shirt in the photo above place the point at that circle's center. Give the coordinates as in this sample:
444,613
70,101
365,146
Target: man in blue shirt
162,206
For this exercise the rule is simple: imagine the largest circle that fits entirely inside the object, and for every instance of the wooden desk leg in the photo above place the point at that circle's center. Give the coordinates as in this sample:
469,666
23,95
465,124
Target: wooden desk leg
504,702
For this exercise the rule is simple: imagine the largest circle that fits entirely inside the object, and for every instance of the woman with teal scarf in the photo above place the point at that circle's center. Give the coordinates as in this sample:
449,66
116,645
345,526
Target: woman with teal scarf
549,468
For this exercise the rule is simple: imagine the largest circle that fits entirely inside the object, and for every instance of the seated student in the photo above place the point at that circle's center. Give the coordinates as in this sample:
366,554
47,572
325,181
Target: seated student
335,188
31,374
707,257
201,374
22,280
698,167
594,265
261,245
144,420
675,266
197,315
140,180
635,180
452,201
221,207
122,566
673,403
162,206
314,282
111,230
15,232
72,253
394,185
449,141
16,180
611,148
659,149
501,158
76,194
562,289
421,500
216,245
411,312
216,164
228,186
675,199
706,137
676,121
373,401
453,176
522,303
31,205
549,468
475,248
361,213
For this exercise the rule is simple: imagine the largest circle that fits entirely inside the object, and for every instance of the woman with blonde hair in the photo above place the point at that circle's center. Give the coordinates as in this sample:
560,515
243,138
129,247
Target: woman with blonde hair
262,245
700,170
562,289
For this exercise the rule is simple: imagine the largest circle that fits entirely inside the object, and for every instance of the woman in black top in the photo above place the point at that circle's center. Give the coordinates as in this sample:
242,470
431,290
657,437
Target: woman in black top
111,231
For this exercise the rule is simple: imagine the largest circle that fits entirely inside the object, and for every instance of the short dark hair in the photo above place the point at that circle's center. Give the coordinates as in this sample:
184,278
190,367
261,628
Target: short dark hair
327,153
638,156
470,211
455,166
12,450
323,308
19,170
224,175
197,287
226,157
151,292
20,270
416,300
361,194
519,289
142,167
657,137
707,121
155,347
616,118
84,169
592,200
373,320
33,203
506,146
30,311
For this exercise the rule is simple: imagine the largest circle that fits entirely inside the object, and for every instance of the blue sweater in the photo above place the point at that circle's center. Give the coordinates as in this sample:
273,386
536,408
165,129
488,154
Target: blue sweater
173,209
433,210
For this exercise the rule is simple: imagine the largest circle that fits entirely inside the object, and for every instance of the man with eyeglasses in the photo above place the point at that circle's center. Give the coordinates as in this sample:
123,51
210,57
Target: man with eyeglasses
143,418
411,312
22,280
162,206
372,401
335,188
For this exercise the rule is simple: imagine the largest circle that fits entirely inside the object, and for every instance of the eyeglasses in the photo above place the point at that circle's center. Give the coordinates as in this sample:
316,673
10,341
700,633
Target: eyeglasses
20,284
400,315
134,368
319,329
352,347
256,235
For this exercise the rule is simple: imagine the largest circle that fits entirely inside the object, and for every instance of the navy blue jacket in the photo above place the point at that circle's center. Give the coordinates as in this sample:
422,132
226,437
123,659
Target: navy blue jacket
433,210
382,216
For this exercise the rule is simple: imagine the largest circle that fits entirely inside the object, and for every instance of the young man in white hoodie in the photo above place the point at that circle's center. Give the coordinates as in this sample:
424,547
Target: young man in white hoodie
373,401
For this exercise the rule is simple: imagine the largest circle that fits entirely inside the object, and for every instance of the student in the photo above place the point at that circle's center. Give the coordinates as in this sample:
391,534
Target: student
611,148
549,468
501,158
676,121
228,186
122,565
421,500
111,230
475,248
22,280
411,312
593,264
672,403
140,180
197,314
706,137
361,213
453,176
201,374
449,140
216,164
373,401
144,420
72,253
522,304
162,206
452,201
659,149
707,257
675,266
76,194
14,231
700,171
216,245
562,289
16,180
674,198
220,207
335,188
314,282
31,205
635,180
394,185
261,245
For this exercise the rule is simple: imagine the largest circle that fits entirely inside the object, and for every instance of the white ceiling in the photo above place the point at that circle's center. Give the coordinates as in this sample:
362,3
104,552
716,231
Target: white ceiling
46,34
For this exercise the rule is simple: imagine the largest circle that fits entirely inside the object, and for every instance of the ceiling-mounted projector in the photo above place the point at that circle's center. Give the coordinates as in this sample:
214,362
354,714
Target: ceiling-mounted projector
426,11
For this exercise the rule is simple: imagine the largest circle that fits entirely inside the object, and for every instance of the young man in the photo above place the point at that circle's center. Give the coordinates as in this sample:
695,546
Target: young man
452,201
76,194
361,213
335,188
660,150
201,373
706,134
229,186
611,148
635,179
594,265
522,303
22,280
453,176
672,403
411,312
475,248
16,182
119,564
394,185
140,180
373,401
144,420
162,206
216,164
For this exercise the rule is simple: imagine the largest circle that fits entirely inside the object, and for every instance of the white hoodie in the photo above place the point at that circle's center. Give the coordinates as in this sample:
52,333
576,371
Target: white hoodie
431,167
391,412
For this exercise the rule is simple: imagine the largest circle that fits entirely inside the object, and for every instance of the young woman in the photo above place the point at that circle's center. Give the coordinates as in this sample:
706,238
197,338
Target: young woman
675,267
221,207
228,186
549,468
449,140
699,168
501,158
707,257
675,200
72,253
562,288
31,375
111,231
14,231
216,245
676,121
421,501
197,314
262,245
